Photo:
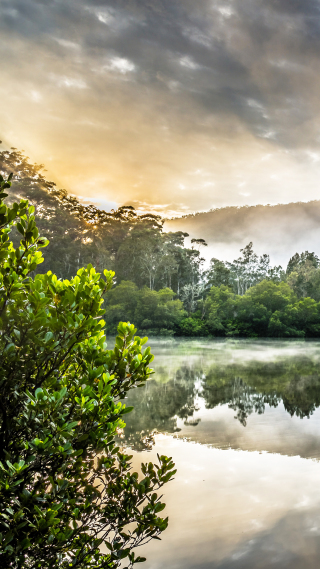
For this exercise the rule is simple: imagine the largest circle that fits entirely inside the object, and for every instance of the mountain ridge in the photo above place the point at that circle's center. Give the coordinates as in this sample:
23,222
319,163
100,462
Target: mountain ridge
235,207
280,230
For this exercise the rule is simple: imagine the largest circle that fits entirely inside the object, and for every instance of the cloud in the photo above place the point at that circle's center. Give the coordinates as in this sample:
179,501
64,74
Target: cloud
188,62
226,11
11,12
67,44
196,35
121,64
226,89
71,82
104,17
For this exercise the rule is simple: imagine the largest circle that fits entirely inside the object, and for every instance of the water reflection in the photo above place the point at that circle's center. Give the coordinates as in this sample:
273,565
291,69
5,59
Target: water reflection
211,403
196,387
237,510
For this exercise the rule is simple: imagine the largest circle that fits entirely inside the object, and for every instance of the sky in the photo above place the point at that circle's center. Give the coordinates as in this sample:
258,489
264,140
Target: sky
172,106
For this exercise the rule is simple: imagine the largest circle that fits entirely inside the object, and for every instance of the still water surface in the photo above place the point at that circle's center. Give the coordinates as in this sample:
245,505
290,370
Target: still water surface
241,420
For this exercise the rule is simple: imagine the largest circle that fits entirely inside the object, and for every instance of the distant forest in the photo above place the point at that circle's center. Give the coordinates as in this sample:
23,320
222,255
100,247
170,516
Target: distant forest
160,284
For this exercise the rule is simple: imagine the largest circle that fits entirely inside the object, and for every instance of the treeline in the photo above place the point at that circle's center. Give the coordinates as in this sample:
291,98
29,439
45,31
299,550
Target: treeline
267,309
132,245
161,285
245,298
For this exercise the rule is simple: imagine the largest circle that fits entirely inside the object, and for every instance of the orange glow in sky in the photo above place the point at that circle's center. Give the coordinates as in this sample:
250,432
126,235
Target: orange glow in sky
169,105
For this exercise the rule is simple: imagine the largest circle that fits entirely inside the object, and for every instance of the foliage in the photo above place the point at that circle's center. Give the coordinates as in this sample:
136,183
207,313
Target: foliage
191,294
220,310
218,273
267,309
151,310
244,272
191,326
222,300
132,245
68,497
299,260
303,275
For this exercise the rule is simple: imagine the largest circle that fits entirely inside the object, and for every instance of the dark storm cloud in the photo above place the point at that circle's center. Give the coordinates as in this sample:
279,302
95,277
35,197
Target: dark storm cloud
202,72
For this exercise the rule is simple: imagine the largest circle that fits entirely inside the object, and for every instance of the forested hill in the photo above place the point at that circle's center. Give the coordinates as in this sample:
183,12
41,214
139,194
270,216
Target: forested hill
134,246
281,229
161,284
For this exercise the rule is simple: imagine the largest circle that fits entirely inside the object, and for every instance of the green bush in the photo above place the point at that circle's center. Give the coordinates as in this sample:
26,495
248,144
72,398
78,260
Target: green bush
149,309
192,327
67,495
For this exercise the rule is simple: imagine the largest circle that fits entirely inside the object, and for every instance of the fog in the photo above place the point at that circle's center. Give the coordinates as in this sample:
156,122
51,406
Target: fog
280,230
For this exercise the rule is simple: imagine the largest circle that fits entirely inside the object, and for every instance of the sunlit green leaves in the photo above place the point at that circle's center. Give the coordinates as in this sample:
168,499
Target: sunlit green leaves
64,485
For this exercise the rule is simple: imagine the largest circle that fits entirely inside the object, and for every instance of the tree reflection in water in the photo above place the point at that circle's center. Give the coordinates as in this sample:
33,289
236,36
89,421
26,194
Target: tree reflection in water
246,388
157,407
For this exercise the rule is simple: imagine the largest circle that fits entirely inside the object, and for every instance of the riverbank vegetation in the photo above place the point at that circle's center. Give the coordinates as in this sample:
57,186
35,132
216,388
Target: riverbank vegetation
161,284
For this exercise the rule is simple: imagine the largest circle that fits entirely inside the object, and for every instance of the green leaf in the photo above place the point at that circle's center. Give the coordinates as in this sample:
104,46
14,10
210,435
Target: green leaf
48,337
126,410
20,228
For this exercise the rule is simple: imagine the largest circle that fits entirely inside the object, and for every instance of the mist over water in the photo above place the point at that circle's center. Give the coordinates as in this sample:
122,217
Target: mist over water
241,419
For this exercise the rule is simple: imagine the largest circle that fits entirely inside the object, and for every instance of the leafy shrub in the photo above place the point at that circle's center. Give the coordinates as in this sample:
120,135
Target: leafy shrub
192,327
67,495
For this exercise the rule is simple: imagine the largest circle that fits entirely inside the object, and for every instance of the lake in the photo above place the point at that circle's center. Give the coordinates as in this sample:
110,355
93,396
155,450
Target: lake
241,420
